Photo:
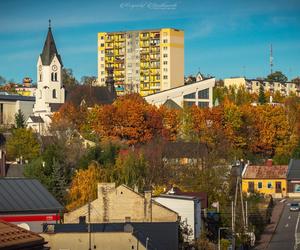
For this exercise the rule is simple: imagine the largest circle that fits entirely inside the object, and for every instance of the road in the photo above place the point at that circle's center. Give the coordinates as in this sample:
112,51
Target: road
284,236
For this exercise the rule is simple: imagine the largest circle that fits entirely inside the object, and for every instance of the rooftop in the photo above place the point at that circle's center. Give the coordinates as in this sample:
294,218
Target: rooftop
294,169
265,172
26,195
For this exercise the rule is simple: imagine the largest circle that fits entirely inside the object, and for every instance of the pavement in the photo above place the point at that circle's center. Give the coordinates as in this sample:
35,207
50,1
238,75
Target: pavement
270,229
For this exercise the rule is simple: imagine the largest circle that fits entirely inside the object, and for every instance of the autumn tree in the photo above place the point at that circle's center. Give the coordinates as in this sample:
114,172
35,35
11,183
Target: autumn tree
83,187
22,144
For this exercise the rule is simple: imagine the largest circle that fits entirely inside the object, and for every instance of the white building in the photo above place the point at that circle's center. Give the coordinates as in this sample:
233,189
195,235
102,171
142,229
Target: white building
187,207
198,93
11,104
50,93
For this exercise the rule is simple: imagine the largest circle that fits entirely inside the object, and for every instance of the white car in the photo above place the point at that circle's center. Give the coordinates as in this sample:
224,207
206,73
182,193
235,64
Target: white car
294,206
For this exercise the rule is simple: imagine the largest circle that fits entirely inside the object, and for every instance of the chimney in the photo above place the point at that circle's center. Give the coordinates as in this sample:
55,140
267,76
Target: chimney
104,199
148,206
269,162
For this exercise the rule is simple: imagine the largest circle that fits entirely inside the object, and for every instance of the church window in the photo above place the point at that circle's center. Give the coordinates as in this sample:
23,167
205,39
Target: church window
54,93
52,77
41,77
55,77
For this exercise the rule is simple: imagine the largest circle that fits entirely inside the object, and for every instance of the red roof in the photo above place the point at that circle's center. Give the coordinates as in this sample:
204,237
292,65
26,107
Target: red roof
265,172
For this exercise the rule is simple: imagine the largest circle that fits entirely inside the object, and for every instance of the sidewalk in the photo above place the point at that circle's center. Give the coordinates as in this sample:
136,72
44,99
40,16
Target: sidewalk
271,228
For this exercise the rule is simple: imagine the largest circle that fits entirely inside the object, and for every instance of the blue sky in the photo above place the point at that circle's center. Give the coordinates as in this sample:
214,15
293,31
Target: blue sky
222,38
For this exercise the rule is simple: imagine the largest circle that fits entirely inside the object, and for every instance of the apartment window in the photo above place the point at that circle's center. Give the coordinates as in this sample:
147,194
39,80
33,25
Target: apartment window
165,62
102,45
102,79
101,37
102,51
129,65
165,33
102,72
165,48
269,185
165,77
165,55
136,71
102,59
165,69
165,40
203,94
259,185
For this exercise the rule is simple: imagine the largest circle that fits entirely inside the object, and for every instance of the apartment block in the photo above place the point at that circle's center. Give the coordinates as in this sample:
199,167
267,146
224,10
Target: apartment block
253,86
143,61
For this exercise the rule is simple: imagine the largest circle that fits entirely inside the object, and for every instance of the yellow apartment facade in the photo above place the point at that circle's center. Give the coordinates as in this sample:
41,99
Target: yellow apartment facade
144,61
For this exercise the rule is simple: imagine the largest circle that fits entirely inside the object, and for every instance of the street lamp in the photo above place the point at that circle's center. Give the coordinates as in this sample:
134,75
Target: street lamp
219,236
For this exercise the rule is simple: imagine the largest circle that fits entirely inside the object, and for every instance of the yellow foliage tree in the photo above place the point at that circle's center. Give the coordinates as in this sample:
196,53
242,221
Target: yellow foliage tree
84,186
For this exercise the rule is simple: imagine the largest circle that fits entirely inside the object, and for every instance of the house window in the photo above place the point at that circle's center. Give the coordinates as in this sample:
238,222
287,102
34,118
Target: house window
54,94
203,94
190,96
203,104
269,185
259,185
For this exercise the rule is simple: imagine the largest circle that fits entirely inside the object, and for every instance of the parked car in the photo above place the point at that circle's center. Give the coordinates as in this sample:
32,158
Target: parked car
294,206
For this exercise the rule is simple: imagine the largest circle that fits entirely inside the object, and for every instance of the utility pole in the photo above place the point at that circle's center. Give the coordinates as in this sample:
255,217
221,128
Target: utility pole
89,225
233,225
271,59
246,203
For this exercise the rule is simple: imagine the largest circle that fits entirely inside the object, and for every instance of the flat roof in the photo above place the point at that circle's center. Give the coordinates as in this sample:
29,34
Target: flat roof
16,98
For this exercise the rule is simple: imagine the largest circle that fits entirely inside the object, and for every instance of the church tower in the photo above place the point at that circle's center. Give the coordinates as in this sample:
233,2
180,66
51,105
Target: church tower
50,93
49,75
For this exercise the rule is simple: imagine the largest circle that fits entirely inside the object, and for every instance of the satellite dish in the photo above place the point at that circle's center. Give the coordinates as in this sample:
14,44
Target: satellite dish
24,226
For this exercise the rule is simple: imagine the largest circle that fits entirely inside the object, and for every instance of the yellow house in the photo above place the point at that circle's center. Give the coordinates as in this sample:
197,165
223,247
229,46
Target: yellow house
267,179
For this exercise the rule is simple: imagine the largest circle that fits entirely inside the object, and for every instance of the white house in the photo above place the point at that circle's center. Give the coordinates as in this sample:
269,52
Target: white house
199,93
187,207
50,93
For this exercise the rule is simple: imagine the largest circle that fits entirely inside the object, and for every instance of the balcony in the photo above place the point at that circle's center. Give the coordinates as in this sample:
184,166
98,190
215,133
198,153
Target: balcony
144,45
144,36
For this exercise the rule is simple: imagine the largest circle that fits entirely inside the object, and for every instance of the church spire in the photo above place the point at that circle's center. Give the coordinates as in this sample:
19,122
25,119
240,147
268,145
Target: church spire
49,49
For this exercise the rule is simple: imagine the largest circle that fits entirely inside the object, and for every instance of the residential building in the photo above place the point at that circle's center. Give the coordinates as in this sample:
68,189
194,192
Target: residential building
144,61
50,93
122,204
267,179
188,208
114,236
27,203
293,178
198,93
14,237
253,86
11,104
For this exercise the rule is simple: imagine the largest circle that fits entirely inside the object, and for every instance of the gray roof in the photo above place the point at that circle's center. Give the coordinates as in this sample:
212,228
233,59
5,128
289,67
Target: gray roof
180,197
17,98
21,195
15,171
294,170
36,119
55,106
171,104
49,50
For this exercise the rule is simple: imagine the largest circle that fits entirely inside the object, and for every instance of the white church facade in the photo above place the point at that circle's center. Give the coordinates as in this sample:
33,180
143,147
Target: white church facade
50,93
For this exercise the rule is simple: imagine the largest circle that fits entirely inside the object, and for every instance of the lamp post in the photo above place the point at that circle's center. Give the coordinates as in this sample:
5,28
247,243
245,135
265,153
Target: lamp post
219,236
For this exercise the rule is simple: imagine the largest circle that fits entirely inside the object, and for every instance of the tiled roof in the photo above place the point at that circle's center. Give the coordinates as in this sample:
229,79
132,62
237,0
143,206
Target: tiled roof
21,194
14,237
265,172
294,170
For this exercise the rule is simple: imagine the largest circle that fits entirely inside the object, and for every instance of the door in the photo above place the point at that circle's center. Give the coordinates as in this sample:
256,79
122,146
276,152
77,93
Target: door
250,187
278,186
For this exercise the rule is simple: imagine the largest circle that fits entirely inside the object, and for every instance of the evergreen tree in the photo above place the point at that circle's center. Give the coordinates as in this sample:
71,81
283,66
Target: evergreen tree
19,119
261,96
58,185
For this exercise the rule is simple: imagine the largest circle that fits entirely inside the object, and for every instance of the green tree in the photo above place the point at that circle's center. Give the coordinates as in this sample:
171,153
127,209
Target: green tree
58,182
19,119
277,76
2,80
68,78
261,96
22,144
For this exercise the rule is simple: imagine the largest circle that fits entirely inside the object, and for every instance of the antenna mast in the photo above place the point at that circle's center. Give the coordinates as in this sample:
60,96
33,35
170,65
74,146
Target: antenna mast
271,59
